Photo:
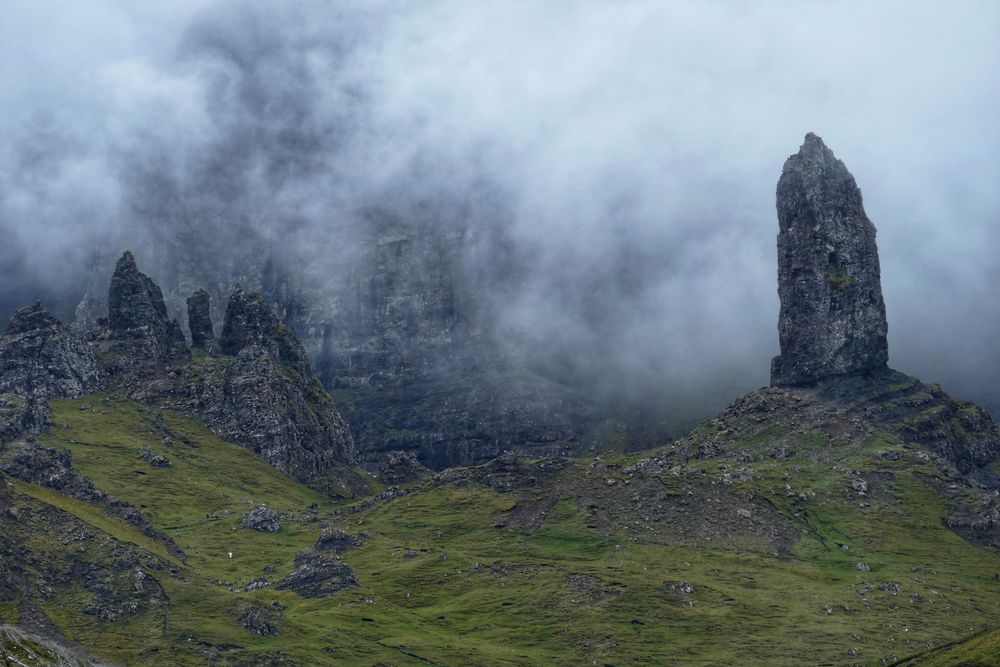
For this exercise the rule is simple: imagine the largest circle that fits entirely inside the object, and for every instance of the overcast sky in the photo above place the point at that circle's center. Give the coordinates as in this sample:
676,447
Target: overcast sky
628,143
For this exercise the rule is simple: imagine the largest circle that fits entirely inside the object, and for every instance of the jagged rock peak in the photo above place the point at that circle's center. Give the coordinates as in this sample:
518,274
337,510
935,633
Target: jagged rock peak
266,398
134,300
41,358
200,320
832,319
138,320
31,318
249,321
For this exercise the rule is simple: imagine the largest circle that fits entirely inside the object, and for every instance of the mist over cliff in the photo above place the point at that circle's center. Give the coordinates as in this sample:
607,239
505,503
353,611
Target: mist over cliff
589,184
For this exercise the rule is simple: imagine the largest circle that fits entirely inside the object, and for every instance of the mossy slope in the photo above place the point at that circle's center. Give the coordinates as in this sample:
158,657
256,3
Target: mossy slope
713,551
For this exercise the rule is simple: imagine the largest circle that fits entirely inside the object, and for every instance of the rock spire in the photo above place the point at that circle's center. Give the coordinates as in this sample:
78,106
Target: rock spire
832,319
137,317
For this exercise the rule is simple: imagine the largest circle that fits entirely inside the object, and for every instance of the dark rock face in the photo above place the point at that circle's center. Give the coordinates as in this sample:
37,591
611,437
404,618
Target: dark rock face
260,620
249,321
42,358
832,318
263,395
20,415
469,413
137,317
337,541
200,321
318,574
392,325
402,468
263,518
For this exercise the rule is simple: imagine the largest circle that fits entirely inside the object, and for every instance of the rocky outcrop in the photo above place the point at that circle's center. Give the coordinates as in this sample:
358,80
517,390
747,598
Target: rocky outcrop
199,314
318,574
53,468
832,318
932,424
262,518
262,394
337,541
139,327
402,468
249,321
20,415
40,357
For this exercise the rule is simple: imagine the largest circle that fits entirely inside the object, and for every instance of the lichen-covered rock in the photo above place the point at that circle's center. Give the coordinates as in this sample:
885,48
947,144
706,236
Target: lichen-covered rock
199,311
263,518
41,357
139,328
832,318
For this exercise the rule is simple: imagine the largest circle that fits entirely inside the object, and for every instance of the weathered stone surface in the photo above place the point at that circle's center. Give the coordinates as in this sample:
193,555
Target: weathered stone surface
337,541
393,327
263,518
42,358
832,318
20,415
262,394
318,574
249,322
199,313
153,459
261,620
402,468
140,328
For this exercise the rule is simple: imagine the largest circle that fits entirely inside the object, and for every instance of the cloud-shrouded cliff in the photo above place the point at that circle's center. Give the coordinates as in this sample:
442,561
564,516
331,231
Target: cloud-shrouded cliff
489,214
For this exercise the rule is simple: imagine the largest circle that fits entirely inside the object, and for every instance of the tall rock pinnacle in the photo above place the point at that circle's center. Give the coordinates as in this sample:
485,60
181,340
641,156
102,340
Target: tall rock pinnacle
137,317
832,318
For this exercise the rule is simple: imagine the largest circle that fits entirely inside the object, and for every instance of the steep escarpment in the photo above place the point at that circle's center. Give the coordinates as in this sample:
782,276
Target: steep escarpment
260,392
40,355
40,358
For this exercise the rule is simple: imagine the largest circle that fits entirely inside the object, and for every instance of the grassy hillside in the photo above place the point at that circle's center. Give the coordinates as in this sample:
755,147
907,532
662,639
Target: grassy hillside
732,556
